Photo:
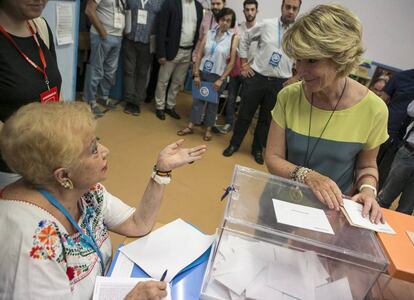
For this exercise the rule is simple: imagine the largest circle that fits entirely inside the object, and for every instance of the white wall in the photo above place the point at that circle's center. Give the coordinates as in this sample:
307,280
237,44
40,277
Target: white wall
388,26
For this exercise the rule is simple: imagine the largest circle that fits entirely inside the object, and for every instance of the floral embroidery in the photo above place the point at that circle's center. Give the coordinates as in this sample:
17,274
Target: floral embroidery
75,256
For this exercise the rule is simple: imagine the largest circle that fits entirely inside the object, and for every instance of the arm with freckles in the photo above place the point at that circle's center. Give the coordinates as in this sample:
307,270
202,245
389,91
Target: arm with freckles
143,219
366,172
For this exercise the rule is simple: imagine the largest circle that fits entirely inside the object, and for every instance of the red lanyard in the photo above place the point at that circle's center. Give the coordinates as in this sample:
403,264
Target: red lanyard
42,56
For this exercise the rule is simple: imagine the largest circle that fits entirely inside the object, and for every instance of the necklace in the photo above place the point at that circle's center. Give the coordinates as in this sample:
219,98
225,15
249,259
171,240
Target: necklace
307,159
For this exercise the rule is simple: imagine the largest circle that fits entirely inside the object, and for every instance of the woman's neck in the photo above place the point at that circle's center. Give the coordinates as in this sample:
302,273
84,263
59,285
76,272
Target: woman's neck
332,94
13,24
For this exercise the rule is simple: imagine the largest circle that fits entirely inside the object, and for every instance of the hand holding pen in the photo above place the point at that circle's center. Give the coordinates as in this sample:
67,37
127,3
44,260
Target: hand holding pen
149,290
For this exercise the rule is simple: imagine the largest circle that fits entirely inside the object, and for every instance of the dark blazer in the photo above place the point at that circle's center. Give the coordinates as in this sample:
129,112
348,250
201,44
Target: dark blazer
169,28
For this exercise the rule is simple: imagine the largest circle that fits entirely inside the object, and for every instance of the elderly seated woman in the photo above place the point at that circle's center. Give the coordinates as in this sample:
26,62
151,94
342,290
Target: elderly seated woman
54,222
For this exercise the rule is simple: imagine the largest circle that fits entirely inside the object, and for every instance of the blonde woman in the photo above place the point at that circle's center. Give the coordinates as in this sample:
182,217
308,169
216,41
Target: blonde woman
327,129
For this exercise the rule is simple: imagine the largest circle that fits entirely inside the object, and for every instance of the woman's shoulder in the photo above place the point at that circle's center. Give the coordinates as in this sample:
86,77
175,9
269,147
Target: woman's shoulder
291,92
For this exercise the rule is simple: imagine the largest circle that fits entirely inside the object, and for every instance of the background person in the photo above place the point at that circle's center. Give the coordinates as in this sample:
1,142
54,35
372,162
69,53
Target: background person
54,148
108,22
400,180
20,80
264,78
212,66
176,37
327,129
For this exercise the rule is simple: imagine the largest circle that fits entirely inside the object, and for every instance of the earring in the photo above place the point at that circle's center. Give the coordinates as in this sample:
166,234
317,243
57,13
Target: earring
67,184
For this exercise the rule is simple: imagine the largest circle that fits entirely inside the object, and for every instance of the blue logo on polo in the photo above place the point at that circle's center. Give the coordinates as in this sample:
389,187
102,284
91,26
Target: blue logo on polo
204,91
275,59
208,66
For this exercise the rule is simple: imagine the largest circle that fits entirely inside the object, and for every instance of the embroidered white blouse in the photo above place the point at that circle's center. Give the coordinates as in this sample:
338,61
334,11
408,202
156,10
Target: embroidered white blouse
39,260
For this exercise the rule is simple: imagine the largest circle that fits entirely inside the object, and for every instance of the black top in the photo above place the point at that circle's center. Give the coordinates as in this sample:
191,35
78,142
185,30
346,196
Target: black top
169,28
20,82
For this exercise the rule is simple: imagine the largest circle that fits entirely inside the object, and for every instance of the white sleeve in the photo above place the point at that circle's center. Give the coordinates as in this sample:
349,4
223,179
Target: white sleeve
246,39
115,211
410,109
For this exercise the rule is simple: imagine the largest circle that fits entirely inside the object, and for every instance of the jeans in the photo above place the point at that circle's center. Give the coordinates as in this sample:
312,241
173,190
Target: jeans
400,180
258,91
102,66
233,92
137,60
200,106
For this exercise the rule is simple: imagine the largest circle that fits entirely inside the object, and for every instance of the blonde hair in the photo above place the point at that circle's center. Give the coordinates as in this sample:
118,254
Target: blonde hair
327,31
39,138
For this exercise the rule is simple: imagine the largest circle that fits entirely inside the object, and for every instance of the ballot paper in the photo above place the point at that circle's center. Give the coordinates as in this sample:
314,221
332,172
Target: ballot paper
260,270
353,212
109,288
171,247
123,267
302,216
339,290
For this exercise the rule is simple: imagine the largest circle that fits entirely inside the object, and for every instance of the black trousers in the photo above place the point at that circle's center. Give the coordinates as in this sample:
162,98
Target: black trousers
258,91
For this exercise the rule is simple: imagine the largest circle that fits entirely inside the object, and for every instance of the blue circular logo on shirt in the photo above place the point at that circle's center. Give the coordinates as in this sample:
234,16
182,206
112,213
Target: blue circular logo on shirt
208,65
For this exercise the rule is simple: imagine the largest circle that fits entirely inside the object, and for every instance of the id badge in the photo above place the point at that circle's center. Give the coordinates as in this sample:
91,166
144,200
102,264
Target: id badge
142,17
208,66
50,95
119,20
275,59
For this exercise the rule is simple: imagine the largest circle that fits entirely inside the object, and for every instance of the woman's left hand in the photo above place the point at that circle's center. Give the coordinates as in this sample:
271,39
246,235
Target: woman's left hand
217,84
174,155
371,206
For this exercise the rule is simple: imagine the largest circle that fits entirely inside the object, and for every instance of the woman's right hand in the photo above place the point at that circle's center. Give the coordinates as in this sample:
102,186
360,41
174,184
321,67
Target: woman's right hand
197,81
325,189
148,290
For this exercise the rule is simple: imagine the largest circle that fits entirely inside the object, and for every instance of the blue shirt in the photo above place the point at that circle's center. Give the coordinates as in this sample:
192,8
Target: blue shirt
142,32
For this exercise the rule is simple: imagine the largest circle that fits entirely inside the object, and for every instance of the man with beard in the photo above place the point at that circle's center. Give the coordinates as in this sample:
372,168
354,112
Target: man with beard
250,11
264,78
208,23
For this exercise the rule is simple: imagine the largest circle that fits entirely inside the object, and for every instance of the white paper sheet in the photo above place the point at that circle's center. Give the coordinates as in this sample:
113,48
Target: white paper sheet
258,290
339,290
64,19
302,216
354,211
109,288
172,247
123,266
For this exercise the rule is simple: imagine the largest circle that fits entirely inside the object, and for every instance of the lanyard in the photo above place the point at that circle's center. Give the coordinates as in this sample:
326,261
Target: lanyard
215,44
279,38
33,64
143,3
90,240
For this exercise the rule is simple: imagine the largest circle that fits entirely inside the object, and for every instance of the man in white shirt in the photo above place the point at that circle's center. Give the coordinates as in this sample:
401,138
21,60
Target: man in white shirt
265,77
400,180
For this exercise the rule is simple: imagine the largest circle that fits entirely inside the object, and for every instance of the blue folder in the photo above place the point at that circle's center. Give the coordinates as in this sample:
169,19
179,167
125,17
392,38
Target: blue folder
206,92
185,285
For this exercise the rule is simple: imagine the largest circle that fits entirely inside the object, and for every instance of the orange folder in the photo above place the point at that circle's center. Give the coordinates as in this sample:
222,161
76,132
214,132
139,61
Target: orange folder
399,247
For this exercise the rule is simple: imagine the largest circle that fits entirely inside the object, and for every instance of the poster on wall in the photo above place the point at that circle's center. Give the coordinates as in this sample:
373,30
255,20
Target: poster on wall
64,17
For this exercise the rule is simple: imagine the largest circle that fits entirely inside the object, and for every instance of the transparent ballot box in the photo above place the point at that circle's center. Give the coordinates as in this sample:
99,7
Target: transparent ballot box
258,257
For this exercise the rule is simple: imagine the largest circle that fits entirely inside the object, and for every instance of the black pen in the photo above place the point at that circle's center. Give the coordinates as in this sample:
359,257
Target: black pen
164,275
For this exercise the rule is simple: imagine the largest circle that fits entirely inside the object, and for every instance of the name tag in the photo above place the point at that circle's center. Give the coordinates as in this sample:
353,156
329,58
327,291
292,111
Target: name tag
49,96
142,16
208,66
275,59
119,20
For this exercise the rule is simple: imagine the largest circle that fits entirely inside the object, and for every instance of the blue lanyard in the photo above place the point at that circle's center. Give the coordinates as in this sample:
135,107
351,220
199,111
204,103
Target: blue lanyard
89,240
278,27
215,44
